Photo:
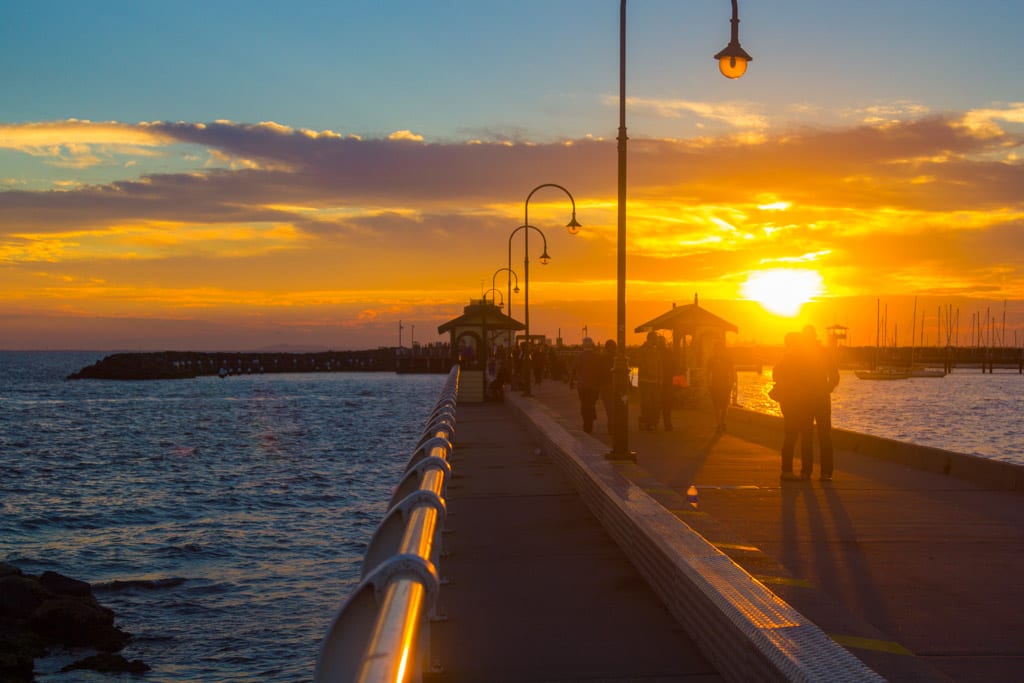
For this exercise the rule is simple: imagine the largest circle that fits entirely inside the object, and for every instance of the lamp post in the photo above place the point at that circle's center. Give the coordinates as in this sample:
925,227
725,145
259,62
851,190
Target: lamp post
573,226
544,260
493,303
511,274
508,311
732,62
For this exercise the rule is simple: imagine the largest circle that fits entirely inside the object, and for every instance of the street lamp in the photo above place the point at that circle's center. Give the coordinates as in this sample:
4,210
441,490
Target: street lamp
544,260
511,274
573,227
732,62
493,303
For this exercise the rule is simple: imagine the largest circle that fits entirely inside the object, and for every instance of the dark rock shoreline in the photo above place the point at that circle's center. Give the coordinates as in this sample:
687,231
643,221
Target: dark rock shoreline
53,610
188,364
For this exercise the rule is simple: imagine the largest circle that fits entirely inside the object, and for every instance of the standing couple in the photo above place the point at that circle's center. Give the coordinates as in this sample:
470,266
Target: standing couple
804,380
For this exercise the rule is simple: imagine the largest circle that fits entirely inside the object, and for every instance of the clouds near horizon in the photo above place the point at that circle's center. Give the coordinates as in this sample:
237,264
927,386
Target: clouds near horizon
252,211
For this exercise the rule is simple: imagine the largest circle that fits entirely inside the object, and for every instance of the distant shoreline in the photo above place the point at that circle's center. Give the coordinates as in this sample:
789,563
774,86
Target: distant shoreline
191,364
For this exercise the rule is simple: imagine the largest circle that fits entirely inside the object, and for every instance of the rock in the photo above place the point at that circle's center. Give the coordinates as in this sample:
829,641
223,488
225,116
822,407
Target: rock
109,663
64,585
78,623
8,569
20,596
52,610
18,650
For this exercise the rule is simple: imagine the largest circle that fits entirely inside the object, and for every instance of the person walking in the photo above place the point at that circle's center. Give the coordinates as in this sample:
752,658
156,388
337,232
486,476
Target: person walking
668,372
540,362
721,380
792,379
586,376
649,377
607,389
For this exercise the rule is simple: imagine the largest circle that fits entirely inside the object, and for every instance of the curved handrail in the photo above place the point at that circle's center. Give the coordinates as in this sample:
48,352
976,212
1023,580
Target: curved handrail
378,633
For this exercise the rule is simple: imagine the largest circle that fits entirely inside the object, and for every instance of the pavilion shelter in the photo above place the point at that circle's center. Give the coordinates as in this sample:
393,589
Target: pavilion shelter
472,335
695,332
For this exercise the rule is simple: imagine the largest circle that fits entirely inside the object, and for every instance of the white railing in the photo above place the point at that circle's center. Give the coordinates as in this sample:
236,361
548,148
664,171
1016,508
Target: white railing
381,633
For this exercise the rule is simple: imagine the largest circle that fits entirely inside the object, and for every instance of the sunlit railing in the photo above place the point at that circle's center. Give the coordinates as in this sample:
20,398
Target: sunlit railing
381,632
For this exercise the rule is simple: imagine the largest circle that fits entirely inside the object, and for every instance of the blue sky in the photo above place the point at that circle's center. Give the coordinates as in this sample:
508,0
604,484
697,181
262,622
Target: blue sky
101,94
458,69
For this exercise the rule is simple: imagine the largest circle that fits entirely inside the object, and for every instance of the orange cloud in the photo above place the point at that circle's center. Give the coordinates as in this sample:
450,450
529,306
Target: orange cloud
317,219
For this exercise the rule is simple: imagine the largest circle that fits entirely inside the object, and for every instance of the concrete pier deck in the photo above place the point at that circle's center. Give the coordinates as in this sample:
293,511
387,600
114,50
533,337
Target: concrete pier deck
914,573
535,589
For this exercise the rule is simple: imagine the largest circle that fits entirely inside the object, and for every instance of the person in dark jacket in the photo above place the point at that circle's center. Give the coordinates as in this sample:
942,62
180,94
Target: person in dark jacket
587,373
607,390
721,379
668,373
649,379
823,378
793,379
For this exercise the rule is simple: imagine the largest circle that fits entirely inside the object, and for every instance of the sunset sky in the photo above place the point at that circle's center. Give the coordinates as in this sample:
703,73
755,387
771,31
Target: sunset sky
242,175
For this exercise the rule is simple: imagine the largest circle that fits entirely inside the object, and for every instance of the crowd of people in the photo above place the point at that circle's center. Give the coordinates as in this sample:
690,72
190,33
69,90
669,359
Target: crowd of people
804,380
521,366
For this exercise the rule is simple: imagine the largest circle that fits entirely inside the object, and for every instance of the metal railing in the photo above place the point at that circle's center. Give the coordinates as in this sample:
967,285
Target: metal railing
381,632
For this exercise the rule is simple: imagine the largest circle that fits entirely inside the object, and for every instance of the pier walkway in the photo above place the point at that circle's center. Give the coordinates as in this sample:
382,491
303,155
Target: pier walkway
915,573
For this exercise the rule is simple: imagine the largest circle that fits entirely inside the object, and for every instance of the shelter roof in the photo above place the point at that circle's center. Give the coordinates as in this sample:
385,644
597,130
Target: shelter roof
480,313
686,320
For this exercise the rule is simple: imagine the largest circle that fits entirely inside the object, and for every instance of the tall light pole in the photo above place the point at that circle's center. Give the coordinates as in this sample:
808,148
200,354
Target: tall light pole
732,62
511,274
574,227
544,260
492,291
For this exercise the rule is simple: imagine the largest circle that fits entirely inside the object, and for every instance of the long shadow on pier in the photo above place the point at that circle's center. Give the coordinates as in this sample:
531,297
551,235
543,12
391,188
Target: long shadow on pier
917,573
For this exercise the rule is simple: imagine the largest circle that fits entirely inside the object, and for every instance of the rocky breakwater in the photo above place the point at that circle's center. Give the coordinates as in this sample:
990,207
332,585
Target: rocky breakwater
188,364
53,610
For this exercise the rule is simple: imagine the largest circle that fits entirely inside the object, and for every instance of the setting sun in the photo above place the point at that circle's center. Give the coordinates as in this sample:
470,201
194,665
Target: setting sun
783,290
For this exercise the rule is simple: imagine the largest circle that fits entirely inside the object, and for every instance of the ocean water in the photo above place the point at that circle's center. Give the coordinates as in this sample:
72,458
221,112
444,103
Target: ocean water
965,411
234,513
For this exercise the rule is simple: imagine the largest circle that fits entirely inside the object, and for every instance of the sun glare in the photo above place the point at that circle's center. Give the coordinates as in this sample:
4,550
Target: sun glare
782,291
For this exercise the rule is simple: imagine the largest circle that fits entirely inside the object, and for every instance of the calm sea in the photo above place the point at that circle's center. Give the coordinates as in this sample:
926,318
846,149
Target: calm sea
966,411
238,510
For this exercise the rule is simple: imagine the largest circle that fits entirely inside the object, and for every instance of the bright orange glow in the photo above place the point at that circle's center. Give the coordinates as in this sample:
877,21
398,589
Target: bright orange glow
782,291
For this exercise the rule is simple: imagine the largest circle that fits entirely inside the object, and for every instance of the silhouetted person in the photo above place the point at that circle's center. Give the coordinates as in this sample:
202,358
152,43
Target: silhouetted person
540,362
721,379
607,390
668,372
586,376
649,378
497,373
793,377
524,367
822,381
